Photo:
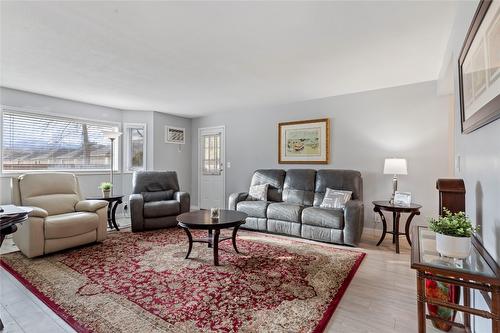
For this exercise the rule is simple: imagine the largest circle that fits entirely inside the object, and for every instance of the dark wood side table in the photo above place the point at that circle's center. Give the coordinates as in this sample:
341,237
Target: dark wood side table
478,271
413,209
113,202
201,220
10,216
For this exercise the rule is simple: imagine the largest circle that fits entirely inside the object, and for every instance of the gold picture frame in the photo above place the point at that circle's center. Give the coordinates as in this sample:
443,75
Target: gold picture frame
304,142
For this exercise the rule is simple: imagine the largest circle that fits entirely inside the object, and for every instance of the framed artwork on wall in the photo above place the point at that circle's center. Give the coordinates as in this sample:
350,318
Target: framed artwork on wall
304,142
479,68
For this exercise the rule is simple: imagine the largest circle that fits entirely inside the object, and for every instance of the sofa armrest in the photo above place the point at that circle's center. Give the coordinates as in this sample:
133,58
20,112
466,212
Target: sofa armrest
91,206
354,221
30,236
38,212
234,198
136,202
184,200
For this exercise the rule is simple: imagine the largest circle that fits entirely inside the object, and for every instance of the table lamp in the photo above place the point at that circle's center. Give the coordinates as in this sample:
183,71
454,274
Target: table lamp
395,167
112,136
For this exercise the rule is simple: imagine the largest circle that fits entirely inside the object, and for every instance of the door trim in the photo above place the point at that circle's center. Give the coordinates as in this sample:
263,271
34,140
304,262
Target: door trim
222,128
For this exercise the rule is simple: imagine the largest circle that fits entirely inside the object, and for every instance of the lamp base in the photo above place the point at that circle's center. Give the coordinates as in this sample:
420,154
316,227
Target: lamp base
394,188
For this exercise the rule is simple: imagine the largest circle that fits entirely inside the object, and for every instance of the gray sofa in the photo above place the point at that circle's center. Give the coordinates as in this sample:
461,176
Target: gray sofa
156,200
294,197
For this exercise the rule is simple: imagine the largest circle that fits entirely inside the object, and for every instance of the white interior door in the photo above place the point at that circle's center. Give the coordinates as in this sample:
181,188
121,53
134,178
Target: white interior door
211,161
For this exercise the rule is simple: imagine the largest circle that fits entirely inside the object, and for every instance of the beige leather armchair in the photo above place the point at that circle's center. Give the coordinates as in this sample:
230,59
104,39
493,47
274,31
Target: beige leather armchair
60,218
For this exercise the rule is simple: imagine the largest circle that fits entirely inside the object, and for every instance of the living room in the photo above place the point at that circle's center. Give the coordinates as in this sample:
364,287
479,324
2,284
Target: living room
298,135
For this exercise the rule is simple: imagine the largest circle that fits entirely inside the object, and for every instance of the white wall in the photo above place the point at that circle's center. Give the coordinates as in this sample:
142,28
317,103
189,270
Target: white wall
169,156
166,158
139,117
479,154
408,121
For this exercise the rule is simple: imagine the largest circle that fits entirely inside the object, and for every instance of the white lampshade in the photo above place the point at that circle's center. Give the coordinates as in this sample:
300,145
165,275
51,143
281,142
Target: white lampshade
395,166
112,134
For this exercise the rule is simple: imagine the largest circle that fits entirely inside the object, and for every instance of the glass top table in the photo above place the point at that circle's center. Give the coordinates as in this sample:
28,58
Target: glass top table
478,271
425,254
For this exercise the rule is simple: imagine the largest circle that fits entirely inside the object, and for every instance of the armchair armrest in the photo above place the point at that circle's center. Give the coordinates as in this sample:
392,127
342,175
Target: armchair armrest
354,221
38,212
91,206
184,200
30,235
234,198
136,204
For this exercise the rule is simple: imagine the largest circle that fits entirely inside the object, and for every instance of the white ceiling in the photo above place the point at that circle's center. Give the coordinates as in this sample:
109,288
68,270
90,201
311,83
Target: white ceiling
194,58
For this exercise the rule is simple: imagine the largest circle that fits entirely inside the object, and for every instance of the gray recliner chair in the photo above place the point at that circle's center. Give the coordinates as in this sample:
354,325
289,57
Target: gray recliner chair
156,200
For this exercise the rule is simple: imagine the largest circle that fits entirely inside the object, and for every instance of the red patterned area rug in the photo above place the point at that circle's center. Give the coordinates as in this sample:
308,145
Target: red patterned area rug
140,282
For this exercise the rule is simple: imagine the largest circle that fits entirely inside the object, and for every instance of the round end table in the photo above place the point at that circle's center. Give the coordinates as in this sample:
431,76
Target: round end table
113,202
413,209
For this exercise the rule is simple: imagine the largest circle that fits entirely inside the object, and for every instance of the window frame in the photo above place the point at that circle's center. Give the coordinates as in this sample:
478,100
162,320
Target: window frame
42,113
126,146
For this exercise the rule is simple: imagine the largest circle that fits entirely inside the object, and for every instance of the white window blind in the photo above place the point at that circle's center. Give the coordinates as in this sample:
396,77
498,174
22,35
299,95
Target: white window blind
40,142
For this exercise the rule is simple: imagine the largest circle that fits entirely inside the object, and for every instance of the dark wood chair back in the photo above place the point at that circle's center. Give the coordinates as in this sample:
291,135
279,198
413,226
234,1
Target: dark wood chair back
451,195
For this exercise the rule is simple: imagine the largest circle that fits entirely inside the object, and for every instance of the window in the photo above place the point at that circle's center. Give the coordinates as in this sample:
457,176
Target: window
41,142
135,147
211,154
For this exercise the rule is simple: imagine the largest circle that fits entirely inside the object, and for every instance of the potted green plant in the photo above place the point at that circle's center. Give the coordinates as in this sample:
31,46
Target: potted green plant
106,189
453,234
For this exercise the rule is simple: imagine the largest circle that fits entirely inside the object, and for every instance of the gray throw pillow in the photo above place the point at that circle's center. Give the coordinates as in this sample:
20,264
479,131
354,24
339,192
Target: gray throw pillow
258,192
158,195
335,198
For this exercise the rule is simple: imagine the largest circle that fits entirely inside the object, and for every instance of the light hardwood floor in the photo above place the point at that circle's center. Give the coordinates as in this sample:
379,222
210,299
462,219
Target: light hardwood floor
380,298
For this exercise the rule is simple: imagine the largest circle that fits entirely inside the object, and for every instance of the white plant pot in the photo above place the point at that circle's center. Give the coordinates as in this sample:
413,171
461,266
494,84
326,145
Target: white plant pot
454,247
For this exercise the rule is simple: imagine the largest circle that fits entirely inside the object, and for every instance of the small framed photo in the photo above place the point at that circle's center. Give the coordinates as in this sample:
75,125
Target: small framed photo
402,199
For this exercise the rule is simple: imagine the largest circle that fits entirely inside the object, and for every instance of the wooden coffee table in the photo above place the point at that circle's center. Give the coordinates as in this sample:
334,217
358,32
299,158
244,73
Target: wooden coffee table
201,220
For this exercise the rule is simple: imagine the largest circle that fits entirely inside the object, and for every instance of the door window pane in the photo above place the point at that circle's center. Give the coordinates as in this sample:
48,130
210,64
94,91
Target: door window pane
211,163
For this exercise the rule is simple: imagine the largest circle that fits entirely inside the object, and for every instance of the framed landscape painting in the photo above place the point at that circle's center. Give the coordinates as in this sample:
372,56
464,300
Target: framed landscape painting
304,142
479,68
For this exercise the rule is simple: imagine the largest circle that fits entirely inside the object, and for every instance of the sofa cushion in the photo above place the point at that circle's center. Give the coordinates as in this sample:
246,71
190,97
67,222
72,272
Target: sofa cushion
253,208
152,181
299,186
284,212
57,193
323,217
158,195
161,208
70,224
347,180
273,177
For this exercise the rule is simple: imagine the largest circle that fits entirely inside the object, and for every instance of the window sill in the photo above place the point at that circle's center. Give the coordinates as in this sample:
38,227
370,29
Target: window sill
78,173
